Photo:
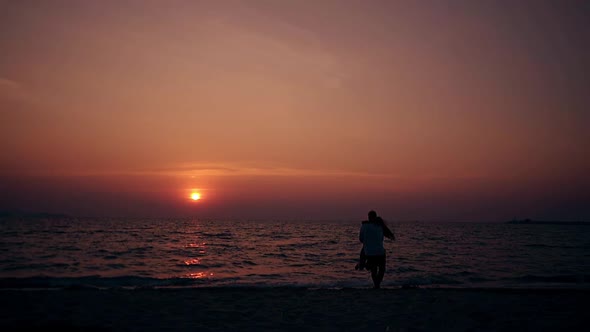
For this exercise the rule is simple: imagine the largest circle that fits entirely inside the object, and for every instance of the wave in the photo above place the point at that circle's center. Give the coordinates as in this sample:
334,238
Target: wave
539,245
271,280
566,278
135,282
219,235
97,282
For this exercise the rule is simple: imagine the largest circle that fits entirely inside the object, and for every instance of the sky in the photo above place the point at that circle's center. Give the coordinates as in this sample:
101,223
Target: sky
421,110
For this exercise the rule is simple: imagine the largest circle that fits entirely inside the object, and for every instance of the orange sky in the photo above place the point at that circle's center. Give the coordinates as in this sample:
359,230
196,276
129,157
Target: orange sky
296,109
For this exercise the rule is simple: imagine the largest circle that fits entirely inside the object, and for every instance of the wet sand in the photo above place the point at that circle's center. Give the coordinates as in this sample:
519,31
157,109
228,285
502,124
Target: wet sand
291,309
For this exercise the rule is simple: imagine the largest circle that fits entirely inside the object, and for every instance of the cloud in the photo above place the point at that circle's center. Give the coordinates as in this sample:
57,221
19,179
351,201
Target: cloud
212,169
232,169
9,83
11,90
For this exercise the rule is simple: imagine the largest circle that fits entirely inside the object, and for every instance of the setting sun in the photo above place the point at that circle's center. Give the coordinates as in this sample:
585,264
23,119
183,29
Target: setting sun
195,196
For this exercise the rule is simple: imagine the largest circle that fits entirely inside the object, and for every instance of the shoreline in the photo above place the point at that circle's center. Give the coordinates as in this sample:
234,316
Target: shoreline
248,288
294,309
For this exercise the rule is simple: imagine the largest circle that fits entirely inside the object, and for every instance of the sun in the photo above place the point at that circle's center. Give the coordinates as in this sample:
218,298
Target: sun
195,196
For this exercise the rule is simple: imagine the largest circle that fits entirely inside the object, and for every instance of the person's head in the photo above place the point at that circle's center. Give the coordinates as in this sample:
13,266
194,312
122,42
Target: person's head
372,215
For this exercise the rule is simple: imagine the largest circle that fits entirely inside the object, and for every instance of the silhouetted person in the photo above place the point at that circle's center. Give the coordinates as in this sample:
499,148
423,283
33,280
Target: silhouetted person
373,253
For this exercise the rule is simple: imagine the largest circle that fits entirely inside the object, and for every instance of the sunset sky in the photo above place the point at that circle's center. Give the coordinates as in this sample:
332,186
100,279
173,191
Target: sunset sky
422,110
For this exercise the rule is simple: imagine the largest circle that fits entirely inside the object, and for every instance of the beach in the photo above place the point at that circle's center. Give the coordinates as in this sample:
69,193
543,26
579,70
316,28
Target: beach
294,309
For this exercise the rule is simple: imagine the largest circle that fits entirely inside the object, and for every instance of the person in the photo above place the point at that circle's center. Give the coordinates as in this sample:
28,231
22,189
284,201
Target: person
372,255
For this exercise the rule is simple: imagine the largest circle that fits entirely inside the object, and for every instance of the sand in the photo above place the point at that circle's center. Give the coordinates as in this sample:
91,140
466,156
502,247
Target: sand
289,309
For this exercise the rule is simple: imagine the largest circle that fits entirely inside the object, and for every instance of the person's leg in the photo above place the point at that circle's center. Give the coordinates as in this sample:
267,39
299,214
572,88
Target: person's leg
373,266
377,264
367,263
362,260
381,271
375,275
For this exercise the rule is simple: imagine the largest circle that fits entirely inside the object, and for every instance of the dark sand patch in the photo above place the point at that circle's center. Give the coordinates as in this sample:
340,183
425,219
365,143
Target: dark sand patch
288,309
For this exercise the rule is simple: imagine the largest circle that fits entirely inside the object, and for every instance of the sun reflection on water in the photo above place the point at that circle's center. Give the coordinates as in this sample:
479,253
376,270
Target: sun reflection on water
199,246
196,245
194,261
200,275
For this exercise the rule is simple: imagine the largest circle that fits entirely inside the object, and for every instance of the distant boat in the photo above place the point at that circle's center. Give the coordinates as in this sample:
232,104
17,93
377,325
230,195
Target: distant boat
537,222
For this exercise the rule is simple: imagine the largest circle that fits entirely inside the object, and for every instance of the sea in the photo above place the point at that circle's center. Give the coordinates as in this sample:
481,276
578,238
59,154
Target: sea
188,253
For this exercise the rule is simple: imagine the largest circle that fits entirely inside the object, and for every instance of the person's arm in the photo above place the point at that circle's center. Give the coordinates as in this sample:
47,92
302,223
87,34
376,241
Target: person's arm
388,233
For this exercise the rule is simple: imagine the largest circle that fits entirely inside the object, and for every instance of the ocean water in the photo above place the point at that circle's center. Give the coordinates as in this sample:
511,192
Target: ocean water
139,253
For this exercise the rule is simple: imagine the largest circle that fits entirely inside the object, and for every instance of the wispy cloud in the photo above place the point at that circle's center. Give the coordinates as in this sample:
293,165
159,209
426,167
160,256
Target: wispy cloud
200,170
4,82
11,90
228,170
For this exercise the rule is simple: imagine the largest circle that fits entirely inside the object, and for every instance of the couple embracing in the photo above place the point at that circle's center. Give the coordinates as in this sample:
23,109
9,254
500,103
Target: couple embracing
372,255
